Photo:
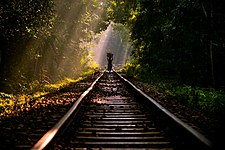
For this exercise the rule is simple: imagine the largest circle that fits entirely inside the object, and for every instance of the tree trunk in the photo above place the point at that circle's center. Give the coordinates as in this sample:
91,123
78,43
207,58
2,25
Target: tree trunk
210,16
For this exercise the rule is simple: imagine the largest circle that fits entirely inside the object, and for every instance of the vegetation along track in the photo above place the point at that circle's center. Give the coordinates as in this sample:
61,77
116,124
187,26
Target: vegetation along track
113,113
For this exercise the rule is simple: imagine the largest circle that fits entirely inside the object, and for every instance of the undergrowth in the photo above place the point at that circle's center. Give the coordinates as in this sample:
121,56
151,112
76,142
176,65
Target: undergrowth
207,100
204,99
12,104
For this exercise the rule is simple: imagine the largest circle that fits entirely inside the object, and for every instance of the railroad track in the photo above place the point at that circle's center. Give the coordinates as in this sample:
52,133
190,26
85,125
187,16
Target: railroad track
113,113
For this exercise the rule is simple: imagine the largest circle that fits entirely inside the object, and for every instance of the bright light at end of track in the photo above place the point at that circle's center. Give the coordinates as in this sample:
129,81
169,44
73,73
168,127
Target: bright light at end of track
101,3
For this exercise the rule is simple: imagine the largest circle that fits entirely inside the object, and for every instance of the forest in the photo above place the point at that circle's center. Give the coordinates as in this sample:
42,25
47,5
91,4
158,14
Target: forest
175,48
40,41
180,42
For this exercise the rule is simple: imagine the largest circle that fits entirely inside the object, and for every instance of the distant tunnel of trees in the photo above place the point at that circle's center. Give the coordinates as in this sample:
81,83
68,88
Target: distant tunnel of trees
182,40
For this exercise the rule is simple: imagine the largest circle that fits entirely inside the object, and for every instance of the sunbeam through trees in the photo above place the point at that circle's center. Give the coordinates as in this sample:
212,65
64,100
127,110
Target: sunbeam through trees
43,40
52,50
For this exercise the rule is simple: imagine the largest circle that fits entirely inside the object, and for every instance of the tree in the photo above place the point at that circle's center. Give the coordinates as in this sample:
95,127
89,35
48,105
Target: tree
171,38
20,22
41,39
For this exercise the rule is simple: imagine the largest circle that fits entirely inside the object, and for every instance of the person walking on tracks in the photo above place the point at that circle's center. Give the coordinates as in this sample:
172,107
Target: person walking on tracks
109,59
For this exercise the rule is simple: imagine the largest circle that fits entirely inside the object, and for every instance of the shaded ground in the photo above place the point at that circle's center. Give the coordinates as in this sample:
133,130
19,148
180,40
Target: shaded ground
19,129
212,126
24,130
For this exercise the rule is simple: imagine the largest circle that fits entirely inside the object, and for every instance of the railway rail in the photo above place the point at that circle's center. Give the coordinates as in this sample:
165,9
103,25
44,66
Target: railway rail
113,113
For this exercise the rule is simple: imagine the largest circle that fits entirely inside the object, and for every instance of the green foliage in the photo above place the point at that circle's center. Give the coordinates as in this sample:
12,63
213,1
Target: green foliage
130,69
21,84
13,104
21,22
41,40
171,38
25,18
207,100
136,71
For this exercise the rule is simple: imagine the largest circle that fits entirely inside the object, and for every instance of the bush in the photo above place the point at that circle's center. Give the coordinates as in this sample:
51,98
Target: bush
205,99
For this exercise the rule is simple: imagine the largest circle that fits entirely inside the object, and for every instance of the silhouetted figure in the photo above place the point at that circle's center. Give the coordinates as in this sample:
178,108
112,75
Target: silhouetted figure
109,59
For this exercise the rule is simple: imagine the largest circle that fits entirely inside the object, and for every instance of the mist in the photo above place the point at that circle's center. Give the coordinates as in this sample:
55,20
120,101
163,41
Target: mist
73,38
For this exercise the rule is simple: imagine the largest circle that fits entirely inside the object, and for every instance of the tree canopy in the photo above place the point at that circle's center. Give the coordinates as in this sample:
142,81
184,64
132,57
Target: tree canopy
182,40
178,39
40,40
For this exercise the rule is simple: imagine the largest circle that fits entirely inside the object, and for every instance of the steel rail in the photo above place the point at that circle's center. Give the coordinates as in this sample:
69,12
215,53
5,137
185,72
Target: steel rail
194,134
48,137
186,127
